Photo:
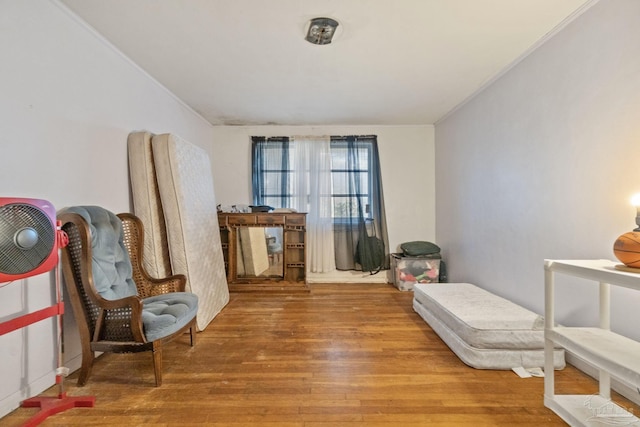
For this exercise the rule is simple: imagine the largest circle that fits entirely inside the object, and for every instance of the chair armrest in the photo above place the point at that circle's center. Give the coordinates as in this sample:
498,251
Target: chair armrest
134,302
128,311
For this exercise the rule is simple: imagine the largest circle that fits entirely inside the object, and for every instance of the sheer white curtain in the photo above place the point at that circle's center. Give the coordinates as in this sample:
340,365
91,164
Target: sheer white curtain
312,194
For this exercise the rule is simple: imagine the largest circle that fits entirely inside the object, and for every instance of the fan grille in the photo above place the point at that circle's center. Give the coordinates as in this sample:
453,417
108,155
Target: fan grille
16,217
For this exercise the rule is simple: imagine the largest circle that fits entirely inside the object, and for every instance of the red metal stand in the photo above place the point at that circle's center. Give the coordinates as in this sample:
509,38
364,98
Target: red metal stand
50,405
53,405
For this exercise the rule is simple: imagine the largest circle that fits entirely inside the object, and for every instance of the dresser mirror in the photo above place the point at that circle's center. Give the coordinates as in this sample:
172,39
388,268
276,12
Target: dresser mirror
259,252
264,250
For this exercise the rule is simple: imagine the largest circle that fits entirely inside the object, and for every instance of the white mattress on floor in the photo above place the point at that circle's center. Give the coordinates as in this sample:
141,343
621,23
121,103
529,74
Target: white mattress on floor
487,358
480,318
186,189
147,205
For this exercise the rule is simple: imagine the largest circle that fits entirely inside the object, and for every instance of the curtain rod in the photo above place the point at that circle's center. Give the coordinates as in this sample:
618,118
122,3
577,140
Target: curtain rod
333,137
344,138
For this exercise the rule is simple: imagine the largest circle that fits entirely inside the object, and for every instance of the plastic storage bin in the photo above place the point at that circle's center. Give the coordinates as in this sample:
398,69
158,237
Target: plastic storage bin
406,271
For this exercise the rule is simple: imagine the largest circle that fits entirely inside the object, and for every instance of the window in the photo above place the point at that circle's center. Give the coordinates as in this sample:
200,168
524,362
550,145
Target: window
346,193
356,217
273,183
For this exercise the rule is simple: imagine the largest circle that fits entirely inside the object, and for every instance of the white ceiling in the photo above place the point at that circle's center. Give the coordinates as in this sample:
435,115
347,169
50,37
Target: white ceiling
392,62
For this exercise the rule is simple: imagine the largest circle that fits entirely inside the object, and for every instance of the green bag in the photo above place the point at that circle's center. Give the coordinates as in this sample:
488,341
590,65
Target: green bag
419,248
370,254
370,251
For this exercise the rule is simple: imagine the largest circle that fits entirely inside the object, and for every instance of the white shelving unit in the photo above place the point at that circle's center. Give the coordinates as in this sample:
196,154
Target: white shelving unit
610,353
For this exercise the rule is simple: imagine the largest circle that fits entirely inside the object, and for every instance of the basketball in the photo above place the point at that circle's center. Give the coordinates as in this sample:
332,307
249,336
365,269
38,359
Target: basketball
627,249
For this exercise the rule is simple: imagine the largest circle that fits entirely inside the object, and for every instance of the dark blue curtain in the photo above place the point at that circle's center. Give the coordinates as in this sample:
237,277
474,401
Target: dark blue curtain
362,243
271,171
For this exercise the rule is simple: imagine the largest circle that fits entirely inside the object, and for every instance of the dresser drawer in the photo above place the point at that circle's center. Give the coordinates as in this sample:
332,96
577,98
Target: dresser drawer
296,219
241,219
270,219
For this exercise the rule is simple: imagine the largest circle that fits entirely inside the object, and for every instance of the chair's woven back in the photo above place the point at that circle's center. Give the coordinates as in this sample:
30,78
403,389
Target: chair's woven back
133,239
98,323
73,257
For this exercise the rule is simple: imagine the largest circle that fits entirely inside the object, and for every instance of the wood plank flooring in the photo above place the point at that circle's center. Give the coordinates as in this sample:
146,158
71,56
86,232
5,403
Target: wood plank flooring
340,355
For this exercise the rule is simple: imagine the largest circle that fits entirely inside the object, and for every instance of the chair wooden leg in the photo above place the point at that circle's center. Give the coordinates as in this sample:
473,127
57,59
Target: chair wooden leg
85,369
157,363
192,335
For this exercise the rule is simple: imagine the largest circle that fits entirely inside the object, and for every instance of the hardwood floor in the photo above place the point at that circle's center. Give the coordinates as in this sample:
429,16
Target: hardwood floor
340,355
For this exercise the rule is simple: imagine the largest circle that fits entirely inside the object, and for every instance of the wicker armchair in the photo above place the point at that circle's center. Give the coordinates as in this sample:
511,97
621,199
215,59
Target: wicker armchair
118,307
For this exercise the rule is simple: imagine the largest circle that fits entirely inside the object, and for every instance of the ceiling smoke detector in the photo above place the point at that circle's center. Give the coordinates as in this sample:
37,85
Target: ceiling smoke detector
321,30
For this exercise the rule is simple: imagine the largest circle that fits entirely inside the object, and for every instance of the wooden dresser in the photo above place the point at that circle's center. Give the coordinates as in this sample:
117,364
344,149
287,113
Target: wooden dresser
264,251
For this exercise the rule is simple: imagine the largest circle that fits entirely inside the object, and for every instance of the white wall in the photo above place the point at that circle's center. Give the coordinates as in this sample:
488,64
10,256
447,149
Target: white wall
542,164
406,160
68,101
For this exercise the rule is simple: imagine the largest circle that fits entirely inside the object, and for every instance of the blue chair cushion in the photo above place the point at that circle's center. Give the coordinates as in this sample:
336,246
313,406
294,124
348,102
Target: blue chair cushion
165,314
110,263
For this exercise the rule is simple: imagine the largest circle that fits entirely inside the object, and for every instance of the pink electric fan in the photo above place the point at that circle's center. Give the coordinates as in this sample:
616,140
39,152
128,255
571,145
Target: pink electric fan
30,240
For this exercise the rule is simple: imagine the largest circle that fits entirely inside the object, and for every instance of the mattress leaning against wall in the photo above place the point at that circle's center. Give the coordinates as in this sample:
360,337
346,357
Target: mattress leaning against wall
185,182
185,186
147,205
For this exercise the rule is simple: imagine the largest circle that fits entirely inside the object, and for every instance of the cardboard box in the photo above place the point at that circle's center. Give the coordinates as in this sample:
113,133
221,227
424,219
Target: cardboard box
407,271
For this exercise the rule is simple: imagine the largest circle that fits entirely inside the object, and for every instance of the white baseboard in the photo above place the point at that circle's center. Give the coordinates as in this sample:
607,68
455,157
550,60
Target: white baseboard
75,362
348,277
13,401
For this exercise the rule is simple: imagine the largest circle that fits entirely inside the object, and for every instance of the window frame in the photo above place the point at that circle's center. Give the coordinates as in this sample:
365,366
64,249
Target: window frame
367,211
337,142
